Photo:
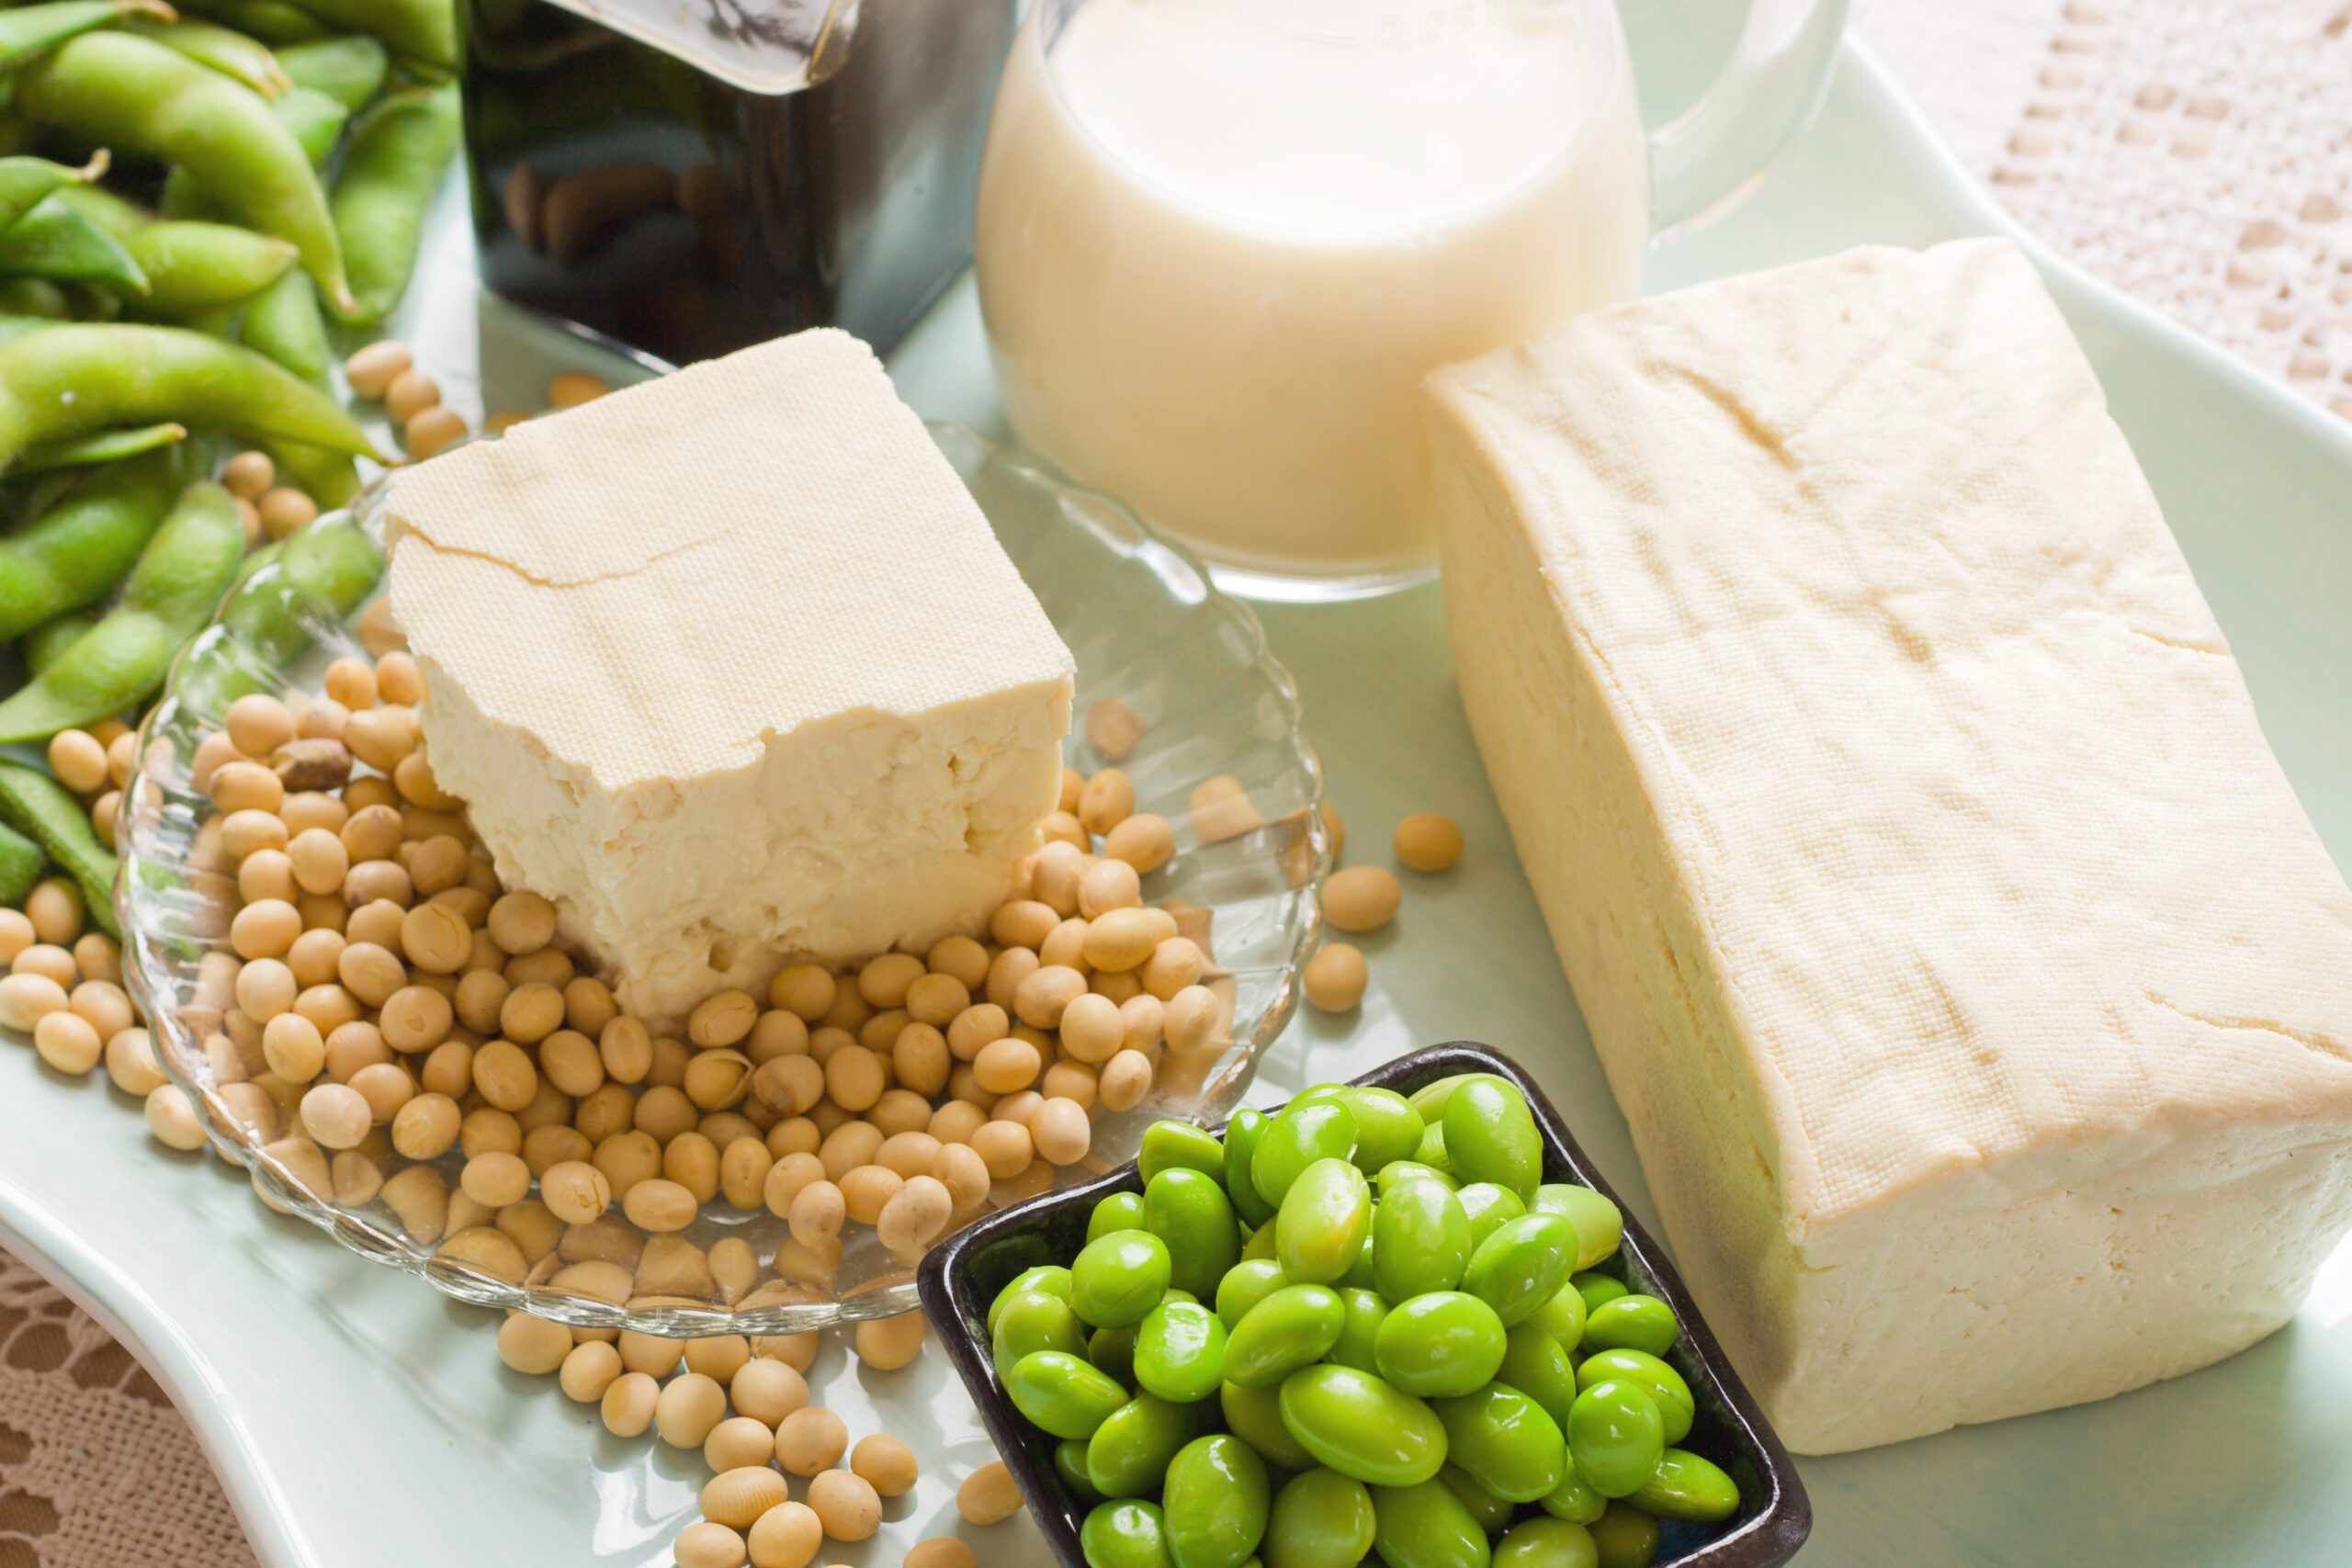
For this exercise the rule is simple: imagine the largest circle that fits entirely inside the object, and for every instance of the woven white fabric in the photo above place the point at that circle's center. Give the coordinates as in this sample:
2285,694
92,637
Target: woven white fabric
2196,154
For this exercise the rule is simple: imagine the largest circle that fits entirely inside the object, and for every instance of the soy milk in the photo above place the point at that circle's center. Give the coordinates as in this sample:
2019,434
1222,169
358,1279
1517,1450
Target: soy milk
1221,240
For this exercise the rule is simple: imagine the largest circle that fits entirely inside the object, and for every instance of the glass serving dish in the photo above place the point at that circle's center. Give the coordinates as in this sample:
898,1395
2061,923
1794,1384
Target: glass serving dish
1155,642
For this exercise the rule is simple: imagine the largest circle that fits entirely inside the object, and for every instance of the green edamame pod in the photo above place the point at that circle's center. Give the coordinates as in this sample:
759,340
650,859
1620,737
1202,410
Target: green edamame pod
20,866
198,269
424,29
348,70
77,550
330,568
275,22
233,54
314,119
72,378
103,209
166,601
31,296
25,183
327,476
40,647
133,92
55,241
283,323
27,30
105,446
39,807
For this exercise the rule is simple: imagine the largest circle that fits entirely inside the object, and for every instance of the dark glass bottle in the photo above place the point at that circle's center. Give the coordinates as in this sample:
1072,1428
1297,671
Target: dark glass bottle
622,187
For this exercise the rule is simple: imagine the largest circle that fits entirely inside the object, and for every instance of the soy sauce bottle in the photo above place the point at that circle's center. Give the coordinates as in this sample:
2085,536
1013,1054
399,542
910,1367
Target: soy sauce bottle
690,177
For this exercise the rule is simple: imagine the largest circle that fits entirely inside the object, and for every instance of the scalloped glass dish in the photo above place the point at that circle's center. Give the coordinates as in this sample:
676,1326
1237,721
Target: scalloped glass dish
1147,629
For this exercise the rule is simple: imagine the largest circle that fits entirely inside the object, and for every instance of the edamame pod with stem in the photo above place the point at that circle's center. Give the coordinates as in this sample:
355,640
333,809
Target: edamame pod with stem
44,811
136,93
25,30
348,70
78,549
25,183
198,269
105,210
233,54
166,601
315,120
70,379
55,241
394,166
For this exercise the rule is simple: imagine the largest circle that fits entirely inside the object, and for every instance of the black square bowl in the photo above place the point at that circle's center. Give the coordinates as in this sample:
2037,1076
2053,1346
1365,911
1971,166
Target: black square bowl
963,1275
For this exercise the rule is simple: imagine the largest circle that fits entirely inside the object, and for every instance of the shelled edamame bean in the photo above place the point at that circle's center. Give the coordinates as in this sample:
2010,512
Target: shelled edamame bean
1390,1350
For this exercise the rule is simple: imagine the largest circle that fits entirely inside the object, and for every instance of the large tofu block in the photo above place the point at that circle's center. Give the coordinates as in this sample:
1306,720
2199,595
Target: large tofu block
1977,992
731,667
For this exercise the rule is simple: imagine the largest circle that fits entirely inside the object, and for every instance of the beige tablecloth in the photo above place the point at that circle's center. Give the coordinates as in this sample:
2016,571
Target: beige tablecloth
2194,152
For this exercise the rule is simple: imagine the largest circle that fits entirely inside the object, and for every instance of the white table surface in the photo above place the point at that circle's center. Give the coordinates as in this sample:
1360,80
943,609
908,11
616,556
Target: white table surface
359,1420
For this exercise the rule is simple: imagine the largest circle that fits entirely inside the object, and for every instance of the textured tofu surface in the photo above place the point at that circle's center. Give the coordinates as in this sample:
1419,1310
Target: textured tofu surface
1977,992
730,666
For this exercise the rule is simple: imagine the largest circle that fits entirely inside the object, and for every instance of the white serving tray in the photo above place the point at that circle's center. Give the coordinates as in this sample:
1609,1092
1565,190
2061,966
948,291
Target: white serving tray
361,1421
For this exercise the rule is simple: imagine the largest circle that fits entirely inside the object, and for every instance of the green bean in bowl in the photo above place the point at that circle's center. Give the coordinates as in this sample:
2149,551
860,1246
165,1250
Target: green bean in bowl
1378,1322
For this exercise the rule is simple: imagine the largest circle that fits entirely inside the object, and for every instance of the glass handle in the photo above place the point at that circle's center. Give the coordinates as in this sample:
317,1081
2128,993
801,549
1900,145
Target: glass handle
1709,154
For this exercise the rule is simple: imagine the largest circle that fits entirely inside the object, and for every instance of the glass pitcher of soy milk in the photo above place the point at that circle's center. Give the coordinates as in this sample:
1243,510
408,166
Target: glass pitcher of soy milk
1221,240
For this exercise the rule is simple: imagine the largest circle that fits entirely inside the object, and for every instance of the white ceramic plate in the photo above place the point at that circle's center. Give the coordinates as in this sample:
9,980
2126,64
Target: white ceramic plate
361,1421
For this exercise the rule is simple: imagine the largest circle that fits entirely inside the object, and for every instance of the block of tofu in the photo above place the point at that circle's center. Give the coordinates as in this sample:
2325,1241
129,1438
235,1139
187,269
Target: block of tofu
1978,993
732,668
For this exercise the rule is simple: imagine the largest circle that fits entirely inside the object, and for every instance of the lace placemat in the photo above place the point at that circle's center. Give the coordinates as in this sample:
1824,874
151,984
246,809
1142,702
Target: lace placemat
2197,154
97,1470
